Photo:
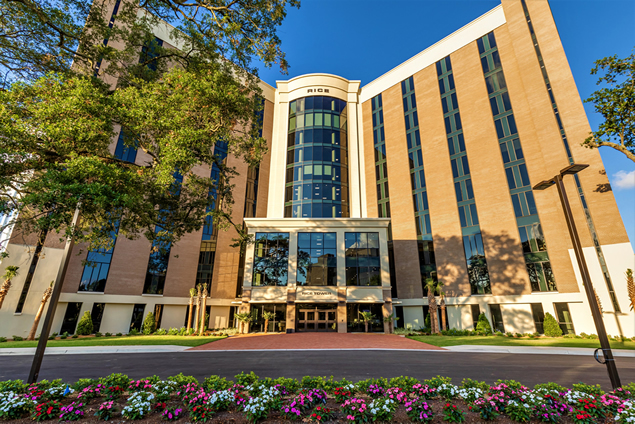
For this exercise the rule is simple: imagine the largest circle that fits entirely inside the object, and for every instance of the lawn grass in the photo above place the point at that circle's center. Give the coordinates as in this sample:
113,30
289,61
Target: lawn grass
507,341
119,341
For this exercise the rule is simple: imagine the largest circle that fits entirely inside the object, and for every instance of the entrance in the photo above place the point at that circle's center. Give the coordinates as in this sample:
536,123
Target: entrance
316,318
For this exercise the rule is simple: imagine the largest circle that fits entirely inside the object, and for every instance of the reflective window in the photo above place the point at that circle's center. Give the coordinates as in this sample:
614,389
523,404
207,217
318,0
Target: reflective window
271,259
362,259
317,259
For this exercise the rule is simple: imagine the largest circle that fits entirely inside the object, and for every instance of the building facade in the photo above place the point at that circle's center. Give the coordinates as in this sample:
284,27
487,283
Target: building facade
368,192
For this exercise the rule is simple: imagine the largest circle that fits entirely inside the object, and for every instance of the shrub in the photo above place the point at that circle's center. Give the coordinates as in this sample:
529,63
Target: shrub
161,332
149,324
468,383
113,380
16,386
594,390
52,336
64,336
182,380
173,332
17,338
248,379
3,339
108,334
437,381
483,325
552,329
118,334
98,334
216,383
85,325
518,335
404,383
74,336
551,387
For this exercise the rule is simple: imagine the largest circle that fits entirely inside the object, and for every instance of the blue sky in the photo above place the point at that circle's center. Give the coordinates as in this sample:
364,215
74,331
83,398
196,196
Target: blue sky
363,39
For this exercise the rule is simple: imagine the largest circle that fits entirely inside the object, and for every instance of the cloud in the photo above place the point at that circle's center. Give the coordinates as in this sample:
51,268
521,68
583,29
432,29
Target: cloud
624,180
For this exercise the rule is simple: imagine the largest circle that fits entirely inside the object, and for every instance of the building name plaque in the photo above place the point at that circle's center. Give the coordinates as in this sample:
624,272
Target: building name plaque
316,293
317,90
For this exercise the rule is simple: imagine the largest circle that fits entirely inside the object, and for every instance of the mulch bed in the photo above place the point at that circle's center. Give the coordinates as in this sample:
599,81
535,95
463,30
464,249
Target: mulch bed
236,416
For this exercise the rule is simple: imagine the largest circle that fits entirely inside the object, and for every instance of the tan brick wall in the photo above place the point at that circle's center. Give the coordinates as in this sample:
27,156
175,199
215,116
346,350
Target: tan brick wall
265,164
503,251
404,233
444,214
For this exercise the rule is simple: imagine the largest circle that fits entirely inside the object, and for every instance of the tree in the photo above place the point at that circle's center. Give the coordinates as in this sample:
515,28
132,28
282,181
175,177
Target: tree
551,326
45,297
616,104
244,318
630,285
9,274
391,320
190,309
432,305
149,324
268,315
442,304
367,317
85,325
204,316
483,326
56,128
198,306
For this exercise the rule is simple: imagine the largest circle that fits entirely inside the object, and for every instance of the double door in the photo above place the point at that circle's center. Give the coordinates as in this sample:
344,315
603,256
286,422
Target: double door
314,319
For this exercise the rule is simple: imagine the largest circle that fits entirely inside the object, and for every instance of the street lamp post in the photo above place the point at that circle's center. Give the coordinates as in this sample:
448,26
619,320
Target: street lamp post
584,271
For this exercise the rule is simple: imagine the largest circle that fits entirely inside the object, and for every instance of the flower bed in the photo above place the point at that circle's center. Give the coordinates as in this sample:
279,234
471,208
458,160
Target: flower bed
314,399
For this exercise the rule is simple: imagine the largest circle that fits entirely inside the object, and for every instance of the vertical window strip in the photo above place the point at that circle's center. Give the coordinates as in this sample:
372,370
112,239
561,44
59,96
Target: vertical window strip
477,270
536,259
425,244
381,162
563,135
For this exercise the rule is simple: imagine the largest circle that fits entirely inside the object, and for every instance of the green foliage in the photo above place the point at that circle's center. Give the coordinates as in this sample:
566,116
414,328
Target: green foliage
115,379
483,326
468,383
551,326
291,384
173,332
98,334
149,324
437,381
85,325
519,412
16,386
246,379
551,387
426,322
10,272
82,383
595,390
161,332
363,385
133,332
17,338
452,414
118,334
404,383
616,104
182,380
3,339
74,336
216,383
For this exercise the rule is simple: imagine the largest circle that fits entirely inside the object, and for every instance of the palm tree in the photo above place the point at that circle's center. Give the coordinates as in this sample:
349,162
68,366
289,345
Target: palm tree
630,285
198,307
366,317
432,305
244,318
45,297
189,315
203,313
267,315
10,273
442,304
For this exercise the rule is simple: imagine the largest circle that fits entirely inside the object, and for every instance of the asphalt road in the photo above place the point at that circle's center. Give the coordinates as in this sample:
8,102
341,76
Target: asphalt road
354,365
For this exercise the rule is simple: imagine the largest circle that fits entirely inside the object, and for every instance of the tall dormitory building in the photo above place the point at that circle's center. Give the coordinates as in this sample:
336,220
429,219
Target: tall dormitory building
369,191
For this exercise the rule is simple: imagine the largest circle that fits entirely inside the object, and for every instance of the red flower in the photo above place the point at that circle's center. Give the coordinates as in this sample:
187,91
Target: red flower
579,416
48,411
319,417
447,404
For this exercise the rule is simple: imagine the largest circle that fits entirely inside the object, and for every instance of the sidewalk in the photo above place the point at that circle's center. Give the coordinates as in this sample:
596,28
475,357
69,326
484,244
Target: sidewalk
540,350
81,350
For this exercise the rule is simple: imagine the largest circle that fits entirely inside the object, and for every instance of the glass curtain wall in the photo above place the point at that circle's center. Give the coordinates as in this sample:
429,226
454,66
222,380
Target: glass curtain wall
317,159
271,259
317,259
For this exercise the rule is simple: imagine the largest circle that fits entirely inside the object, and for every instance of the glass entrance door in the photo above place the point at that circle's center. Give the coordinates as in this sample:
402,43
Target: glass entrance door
316,319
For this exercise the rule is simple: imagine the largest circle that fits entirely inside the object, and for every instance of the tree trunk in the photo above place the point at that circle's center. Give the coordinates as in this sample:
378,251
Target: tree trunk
365,326
4,290
266,325
36,322
443,323
203,313
196,316
189,315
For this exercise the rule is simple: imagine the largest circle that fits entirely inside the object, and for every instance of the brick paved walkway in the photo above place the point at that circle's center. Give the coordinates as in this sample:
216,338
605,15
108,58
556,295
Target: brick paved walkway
316,341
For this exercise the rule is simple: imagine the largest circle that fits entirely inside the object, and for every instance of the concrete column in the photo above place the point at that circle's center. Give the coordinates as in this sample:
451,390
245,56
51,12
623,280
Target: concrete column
291,295
341,309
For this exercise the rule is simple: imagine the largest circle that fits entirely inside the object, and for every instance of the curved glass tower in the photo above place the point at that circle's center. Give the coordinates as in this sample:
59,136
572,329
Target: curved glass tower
317,159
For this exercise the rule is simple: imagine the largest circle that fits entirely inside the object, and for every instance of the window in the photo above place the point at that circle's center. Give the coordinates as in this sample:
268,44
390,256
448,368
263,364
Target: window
539,317
71,316
97,314
317,259
427,262
564,318
541,276
497,318
476,264
277,324
157,267
125,150
476,311
354,323
137,317
362,259
271,259
96,269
